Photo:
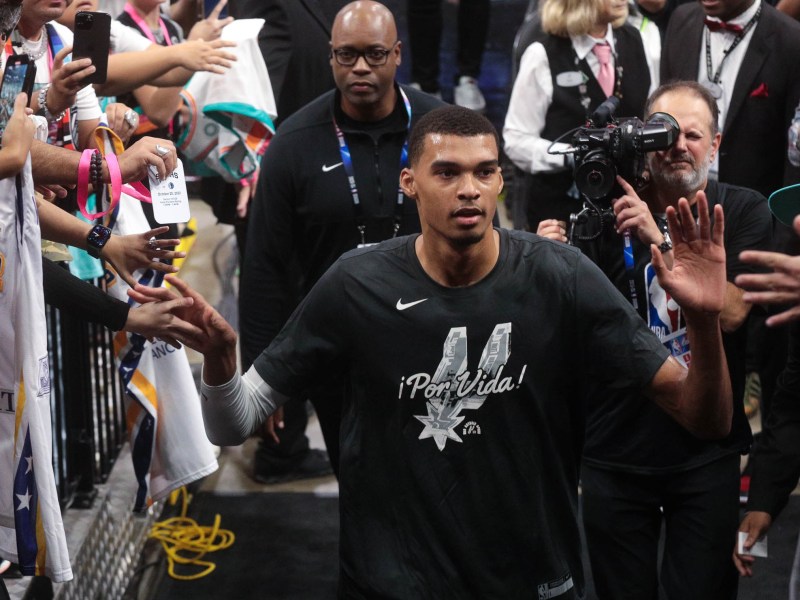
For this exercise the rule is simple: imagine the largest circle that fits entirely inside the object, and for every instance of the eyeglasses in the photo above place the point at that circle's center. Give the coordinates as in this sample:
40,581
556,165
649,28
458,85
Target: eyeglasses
375,57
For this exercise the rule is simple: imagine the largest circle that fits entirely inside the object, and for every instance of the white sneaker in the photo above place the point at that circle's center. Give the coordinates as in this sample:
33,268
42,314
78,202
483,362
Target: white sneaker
468,94
416,86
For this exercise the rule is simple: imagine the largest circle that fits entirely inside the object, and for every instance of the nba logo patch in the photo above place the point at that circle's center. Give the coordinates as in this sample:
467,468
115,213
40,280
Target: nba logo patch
44,376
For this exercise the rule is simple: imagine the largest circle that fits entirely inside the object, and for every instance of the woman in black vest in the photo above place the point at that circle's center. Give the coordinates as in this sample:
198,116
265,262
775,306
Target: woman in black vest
562,79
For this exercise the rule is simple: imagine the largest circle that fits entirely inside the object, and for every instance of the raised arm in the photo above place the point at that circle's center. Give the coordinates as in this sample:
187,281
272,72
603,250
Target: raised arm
699,398
165,66
233,405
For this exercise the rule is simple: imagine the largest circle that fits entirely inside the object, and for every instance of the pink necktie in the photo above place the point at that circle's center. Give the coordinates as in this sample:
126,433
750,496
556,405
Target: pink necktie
605,77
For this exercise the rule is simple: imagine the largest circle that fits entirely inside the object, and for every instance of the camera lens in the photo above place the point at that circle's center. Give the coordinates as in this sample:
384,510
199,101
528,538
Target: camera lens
595,175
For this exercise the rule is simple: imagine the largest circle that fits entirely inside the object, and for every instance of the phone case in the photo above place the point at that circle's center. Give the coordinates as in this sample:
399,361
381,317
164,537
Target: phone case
92,40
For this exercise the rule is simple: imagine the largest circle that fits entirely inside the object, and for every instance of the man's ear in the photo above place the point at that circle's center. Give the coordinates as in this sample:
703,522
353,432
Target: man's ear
715,144
407,183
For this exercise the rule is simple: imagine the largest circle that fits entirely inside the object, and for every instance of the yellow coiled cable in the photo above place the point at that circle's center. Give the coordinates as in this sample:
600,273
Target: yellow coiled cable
186,543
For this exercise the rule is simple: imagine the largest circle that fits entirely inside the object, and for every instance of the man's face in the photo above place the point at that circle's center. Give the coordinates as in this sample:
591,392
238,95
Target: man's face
725,10
39,12
364,87
455,182
684,167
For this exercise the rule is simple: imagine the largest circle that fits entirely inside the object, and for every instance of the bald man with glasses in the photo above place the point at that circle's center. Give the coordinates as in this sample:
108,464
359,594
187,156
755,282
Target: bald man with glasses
328,184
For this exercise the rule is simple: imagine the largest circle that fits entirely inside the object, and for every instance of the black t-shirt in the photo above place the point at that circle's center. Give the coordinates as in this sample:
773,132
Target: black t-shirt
624,433
463,420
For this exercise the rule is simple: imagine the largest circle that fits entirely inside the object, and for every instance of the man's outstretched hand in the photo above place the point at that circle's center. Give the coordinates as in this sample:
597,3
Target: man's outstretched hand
697,278
780,286
211,335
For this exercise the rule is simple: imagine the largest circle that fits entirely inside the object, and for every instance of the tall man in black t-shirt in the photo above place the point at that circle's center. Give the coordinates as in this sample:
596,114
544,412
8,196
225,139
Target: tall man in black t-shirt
444,416
328,183
639,465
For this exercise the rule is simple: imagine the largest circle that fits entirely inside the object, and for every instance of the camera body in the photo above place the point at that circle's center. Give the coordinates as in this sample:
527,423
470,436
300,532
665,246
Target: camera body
607,147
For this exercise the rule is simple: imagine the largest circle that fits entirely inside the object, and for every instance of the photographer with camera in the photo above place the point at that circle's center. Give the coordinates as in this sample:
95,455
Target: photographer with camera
639,469
587,54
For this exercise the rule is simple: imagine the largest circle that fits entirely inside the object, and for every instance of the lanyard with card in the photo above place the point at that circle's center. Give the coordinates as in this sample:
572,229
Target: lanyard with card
169,195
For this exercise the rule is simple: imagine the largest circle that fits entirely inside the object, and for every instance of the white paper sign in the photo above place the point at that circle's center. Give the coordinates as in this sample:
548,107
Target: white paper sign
759,548
170,198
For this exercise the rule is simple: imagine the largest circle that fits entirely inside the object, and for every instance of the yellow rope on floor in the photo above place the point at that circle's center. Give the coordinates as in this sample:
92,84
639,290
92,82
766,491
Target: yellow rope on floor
186,543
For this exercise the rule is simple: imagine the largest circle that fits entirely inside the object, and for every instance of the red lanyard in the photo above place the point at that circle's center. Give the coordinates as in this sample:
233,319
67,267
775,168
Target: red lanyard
146,28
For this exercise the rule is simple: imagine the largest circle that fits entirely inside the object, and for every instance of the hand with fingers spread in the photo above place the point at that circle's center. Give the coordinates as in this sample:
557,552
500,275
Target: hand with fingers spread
127,253
781,286
634,215
136,160
66,80
213,336
157,319
696,280
200,55
552,229
755,524
210,28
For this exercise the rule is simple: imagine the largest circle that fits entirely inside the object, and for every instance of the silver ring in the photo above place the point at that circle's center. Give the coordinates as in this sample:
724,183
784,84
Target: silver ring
152,244
161,151
131,118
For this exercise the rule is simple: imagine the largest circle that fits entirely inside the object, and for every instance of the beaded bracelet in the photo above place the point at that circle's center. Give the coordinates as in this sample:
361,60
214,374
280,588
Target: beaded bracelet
96,171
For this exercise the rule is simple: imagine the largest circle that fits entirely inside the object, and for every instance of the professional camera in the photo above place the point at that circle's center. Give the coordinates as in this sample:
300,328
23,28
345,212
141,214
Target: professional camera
607,146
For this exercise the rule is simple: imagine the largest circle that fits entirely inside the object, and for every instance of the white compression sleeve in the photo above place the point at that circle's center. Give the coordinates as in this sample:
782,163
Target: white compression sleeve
233,410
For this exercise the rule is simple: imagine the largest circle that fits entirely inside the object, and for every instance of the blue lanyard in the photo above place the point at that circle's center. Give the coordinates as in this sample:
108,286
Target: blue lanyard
627,254
347,163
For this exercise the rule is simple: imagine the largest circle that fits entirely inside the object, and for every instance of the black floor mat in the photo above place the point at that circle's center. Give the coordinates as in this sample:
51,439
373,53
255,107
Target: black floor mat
286,548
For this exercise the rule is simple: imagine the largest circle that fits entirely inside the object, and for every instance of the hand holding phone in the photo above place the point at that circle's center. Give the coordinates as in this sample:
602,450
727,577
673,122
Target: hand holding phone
18,77
93,40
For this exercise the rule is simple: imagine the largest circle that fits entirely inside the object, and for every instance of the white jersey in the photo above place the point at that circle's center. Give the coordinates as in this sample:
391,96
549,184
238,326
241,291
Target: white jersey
168,442
31,530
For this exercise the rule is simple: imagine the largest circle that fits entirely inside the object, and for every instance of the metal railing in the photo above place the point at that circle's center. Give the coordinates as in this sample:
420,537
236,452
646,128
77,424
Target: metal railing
87,401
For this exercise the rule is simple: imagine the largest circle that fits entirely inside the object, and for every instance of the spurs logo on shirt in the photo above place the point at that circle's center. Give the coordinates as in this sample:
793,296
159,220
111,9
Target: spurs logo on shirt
453,387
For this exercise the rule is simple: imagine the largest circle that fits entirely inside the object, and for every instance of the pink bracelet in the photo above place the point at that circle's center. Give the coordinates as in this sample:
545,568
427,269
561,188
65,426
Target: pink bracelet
83,183
116,178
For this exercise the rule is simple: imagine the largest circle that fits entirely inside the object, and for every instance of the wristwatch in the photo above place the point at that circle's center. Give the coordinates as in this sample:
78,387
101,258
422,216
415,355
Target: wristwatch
666,245
98,237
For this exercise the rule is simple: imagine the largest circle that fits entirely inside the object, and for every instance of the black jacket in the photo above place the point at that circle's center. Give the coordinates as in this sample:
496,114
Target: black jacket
753,150
303,217
776,456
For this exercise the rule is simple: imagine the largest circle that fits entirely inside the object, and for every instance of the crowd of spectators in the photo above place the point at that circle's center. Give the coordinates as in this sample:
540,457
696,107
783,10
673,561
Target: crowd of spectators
335,178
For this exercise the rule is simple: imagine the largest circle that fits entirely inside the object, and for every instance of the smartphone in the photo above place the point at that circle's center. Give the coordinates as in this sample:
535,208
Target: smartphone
92,39
18,77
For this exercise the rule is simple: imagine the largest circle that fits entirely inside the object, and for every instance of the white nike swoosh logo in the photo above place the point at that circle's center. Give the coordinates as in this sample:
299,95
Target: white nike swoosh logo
401,306
326,168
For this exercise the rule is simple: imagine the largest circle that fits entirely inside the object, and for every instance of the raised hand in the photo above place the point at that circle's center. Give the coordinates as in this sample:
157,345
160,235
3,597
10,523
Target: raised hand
211,335
781,286
136,160
67,80
697,278
200,55
127,253
157,319
210,28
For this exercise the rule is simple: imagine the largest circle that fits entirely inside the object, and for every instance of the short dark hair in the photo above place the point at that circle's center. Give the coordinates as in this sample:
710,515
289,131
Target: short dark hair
448,120
698,90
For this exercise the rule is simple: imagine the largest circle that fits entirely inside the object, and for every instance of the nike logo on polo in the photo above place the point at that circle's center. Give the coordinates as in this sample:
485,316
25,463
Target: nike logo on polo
401,306
326,168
